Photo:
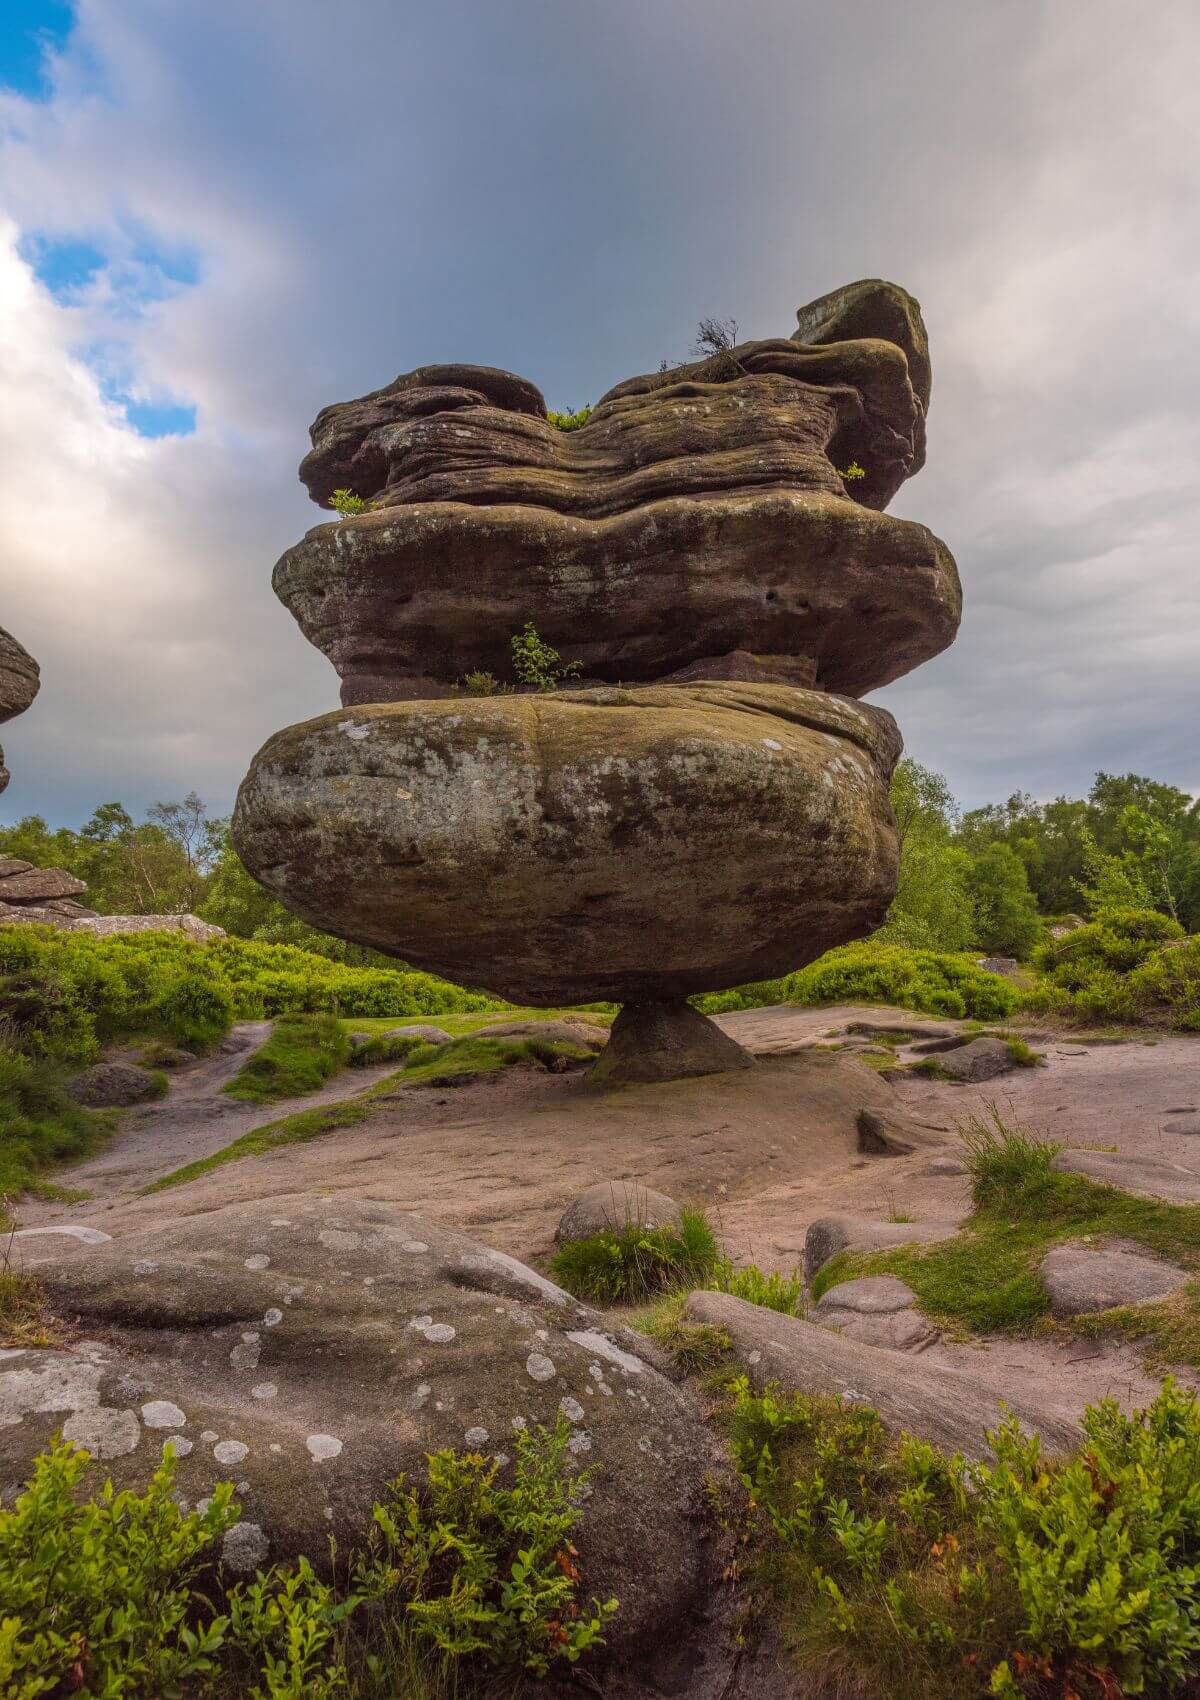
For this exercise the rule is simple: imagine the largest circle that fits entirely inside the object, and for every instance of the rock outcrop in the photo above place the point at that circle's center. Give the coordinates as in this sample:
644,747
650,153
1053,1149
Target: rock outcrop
19,681
310,1352
709,552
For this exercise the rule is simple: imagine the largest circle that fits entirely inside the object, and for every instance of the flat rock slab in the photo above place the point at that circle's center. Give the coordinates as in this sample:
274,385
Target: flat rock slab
1149,1177
615,1205
1081,1279
878,1310
831,1234
945,1406
1183,1124
982,1059
312,1350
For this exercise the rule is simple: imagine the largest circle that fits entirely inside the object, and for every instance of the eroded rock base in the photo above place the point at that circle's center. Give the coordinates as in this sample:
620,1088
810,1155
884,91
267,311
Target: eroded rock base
664,1041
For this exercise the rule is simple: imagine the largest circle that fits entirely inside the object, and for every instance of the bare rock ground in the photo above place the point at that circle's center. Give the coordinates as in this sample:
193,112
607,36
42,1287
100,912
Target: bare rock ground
767,1151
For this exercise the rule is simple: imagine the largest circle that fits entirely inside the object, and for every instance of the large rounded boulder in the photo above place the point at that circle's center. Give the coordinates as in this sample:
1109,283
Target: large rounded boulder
639,845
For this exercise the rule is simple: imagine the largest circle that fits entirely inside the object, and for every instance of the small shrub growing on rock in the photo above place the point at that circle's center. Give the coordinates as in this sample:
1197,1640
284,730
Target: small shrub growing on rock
635,1263
345,503
851,473
536,663
899,1570
569,421
784,1293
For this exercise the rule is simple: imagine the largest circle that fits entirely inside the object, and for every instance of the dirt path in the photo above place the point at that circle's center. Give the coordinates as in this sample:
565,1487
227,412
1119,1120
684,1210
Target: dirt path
195,1119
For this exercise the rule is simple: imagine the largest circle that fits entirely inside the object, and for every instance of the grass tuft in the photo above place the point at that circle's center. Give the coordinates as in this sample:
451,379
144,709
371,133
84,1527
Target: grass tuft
629,1266
302,1053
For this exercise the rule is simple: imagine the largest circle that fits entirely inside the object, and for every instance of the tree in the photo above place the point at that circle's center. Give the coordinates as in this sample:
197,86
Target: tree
932,909
1006,917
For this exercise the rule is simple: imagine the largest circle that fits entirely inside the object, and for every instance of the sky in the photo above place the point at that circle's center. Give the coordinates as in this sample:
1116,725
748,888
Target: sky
216,218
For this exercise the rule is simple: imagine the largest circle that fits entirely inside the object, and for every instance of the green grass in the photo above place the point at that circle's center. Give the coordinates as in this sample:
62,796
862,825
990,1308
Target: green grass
41,1125
630,1265
986,1279
458,1025
25,1318
451,1064
303,1052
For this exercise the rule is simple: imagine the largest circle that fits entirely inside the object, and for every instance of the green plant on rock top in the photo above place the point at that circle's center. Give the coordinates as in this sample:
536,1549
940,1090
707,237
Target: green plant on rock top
536,663
345,503
851,473
568,420
487,1570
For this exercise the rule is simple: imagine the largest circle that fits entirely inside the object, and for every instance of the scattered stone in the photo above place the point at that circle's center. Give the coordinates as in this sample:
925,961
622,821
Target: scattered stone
878,1310
1081,1279
357,1394
114,1085
425,1034
878,1138
982,1059
617,1205
1185,1124
171,1057
1150,1177
942,1405
1004,965
831,1234
946,1166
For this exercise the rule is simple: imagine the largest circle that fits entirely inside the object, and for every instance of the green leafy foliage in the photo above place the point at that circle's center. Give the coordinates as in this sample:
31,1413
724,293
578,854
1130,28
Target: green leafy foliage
899,1570
40,1123
303,1052
537,664
933,908
632,1264
1088,971
851,473
569,421
345,503
1006,917
487,1570
784,1293
96,1595
928,980
99,1596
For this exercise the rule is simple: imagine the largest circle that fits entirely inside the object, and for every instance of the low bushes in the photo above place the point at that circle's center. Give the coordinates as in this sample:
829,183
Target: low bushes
635,1263
1124,966
898,1570
930,980
303,1052
67,993
100,1596
40,1123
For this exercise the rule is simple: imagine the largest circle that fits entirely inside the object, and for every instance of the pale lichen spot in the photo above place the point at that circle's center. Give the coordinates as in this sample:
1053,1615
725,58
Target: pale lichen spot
230,1451
161,1413
476,1437
540,1367
264,1390
260,1260
321,1446
273,1317
571,1409
245,1546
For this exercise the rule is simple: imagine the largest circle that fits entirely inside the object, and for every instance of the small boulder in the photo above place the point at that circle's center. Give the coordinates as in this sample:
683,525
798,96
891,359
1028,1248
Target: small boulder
944,1405
1149,1177
1003,965
169,1057
982,1059
1081,1278
831,1234
569,1031
617,1205
114,1085
191,926
1183,1124
422,1034
877,1310
946,1165
35,885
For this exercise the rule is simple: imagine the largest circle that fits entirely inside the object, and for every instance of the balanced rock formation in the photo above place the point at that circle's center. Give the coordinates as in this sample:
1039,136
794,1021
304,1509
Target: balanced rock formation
19,681
709,551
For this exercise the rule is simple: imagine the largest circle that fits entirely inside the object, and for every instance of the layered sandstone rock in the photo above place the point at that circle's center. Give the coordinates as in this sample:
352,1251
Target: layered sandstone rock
19,681
709,550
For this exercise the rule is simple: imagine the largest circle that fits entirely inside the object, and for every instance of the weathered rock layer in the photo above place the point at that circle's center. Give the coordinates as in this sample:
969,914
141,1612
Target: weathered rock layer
638,845
19,681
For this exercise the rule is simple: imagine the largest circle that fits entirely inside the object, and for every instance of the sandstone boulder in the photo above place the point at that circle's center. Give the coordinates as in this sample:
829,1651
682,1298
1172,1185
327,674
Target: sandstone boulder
616,1205
38,885
1083,1278
191,926
831,1234
19,680
877,1310
940,1404
634,845
114,1085
311,1352
982,1059
1153,1177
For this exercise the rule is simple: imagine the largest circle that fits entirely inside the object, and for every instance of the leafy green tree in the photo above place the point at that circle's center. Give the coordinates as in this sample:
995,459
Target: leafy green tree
1006,917
933,908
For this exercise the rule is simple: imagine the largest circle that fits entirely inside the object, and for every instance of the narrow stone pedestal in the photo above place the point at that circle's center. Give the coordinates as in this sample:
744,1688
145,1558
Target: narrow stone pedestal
664,1041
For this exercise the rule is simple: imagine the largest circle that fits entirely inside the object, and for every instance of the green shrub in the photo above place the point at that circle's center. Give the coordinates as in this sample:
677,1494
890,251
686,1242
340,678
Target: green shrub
40,1123
537,664
935,981
569,421
899,1570
758,995
385,1048
1170,980
303,1052
631,1265
783,1293
486,1570
1093,972
345,503
194,1011
97,1595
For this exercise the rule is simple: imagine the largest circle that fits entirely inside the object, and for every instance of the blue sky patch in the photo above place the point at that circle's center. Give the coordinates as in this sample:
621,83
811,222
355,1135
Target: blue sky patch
159,419
29,28
63,267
